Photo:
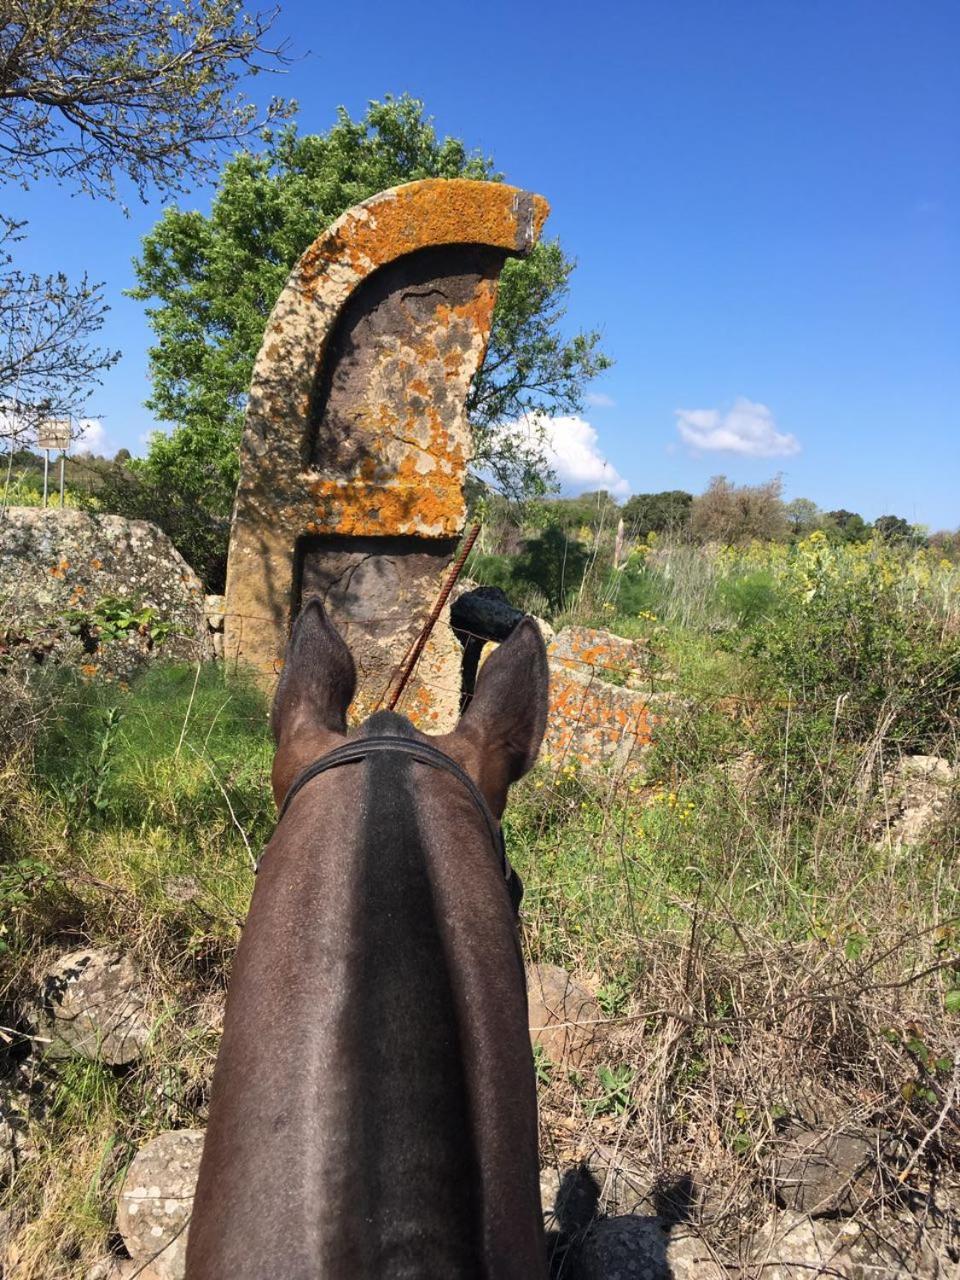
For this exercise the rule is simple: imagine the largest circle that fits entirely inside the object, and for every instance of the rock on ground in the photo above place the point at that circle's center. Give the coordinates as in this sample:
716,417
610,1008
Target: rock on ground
54,562
915,796
820,1172
597,715
794,1246
564,1018
640,1248
156,1200
92,1003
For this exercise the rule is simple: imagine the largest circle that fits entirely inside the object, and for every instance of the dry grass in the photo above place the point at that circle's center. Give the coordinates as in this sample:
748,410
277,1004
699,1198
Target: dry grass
762,954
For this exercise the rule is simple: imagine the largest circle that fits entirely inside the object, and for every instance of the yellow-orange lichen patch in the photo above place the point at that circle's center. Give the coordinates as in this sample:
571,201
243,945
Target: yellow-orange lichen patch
434,509
435,211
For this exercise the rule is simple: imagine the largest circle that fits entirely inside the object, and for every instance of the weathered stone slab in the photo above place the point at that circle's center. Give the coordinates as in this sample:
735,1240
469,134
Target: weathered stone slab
594,722
156,1200
55,563
915,795
564,1018
93,1004
824,1173
600,653
356,442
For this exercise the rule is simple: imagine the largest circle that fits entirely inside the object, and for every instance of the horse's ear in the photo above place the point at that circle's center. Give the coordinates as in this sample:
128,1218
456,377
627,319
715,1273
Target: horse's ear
318,679
507,715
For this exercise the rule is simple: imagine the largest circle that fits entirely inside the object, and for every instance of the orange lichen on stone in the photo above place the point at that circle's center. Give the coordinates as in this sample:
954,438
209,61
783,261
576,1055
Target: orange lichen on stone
435,211
596,723
383,450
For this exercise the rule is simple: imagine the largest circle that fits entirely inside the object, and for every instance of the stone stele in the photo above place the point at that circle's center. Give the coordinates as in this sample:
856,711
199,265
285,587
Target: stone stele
356,442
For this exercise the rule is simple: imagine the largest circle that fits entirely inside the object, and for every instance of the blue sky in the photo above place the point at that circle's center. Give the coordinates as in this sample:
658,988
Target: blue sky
763,199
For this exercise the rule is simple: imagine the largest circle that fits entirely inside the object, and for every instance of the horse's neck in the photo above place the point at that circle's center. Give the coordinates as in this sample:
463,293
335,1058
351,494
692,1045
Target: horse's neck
373,1111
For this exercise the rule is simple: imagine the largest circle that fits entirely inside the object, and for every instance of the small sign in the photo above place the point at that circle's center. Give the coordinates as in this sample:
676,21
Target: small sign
55,433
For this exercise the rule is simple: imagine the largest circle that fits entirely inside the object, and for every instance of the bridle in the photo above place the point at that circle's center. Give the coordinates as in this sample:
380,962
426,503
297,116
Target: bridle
360,748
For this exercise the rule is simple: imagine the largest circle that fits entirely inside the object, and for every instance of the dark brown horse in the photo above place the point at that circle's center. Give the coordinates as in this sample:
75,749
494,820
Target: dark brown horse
373,1112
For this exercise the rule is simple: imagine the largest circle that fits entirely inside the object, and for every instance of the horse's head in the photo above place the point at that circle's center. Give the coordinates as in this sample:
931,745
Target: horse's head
374,1109
495,742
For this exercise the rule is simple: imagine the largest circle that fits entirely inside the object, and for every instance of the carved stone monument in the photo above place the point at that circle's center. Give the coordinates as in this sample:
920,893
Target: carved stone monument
356,442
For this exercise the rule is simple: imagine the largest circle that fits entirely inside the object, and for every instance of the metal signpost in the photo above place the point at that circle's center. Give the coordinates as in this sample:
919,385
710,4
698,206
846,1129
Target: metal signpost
54,433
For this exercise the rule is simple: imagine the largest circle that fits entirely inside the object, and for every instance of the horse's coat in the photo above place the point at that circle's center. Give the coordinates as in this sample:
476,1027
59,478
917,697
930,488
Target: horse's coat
373,1112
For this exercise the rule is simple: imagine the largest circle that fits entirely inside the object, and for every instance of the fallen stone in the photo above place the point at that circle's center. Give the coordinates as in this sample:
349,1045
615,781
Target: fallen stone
12,1135
794,1246
820,1173
915,795
213,607
55,564
114,1268
595,723
564,1018
92,1003
544,628
601,654
181,888
624,1187
744,772
689,1258
640,1248
156,1200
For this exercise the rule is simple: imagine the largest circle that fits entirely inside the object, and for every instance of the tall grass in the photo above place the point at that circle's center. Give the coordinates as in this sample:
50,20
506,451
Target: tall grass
763,951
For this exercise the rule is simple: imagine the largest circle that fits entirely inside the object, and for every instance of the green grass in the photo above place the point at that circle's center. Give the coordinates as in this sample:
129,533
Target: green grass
759,949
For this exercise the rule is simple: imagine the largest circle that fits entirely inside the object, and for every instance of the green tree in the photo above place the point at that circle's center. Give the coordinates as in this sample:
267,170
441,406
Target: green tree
803,516
896,529
92,91
592,510
850,526
666,512
731,513
554,563
211,282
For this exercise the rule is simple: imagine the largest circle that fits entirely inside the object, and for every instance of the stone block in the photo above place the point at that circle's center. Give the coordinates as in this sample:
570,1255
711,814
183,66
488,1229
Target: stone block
55,563
356,442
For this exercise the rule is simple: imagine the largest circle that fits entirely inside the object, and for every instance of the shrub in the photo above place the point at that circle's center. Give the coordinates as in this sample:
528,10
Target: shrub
736,513
865,626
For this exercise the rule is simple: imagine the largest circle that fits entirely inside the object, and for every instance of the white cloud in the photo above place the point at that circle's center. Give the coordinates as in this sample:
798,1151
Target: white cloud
598,400
91,436
570,447
748,429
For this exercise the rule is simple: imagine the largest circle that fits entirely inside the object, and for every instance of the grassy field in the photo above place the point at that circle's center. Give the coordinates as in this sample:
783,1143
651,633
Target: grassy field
763,948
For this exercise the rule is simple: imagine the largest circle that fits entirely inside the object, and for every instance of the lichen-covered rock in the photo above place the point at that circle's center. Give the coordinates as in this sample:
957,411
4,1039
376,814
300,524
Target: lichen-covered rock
640,1248
12,1129
92,1003
156,1200
915,795
565,1019
592,722
794,1246
821,1173
602,654
73,582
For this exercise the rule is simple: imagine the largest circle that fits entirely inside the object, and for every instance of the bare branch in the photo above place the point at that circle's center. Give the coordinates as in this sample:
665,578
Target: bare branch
93,90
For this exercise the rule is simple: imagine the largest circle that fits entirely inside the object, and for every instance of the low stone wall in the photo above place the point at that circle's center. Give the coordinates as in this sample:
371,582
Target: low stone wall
74,586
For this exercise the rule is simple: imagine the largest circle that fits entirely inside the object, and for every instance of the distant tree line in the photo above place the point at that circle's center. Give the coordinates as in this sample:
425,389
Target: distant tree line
730,513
